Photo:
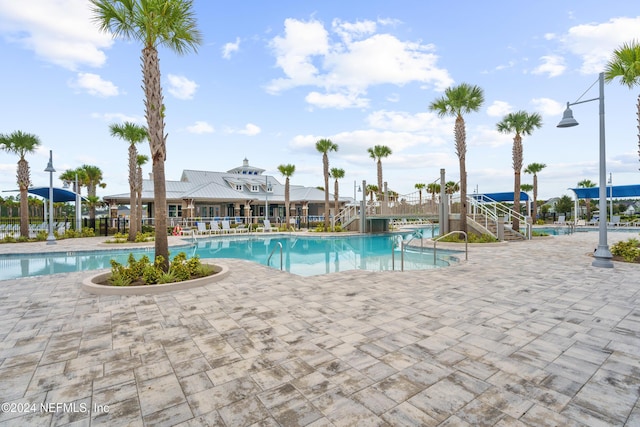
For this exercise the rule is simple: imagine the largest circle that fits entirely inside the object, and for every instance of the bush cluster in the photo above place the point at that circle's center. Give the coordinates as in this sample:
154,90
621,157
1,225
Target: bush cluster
629,250
143,272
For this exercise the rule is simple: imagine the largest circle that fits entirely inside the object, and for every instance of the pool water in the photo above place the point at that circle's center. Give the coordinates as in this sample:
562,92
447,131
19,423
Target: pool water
301,255
561,231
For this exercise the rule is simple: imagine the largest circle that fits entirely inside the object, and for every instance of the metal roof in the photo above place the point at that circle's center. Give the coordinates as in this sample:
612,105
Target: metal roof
619,191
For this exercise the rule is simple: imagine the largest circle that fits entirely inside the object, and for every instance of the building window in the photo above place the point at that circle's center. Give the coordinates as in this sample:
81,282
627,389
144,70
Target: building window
175,211
238,187
254,188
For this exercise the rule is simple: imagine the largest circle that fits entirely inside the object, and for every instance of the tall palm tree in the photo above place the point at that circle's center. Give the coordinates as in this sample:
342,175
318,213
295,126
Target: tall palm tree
625,63
420,187
587,183
141,160
520,123
287,171
133,134
21,143
154,23
456,102
92,180
451,187
70,176
336,173
377,153
324,146
534,169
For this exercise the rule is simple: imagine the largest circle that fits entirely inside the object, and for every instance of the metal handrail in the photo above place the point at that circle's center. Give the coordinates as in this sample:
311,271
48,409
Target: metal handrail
272,251
466,244
483,202
403,246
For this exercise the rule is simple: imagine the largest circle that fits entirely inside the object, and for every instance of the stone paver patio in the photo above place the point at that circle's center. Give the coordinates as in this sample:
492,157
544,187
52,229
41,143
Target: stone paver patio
523,334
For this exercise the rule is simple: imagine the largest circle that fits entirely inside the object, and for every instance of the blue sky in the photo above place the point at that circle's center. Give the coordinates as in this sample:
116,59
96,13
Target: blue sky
271,78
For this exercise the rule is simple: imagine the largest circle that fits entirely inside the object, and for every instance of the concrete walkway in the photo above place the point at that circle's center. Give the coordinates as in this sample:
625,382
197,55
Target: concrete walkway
523,334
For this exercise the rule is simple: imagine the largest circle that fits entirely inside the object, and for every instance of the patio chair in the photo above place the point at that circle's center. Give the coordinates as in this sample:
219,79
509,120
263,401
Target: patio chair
215,226
615,221
267,227
561,220
202,229
226,227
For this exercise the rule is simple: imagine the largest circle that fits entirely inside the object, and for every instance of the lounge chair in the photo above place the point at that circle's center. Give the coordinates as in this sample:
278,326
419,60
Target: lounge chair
215,227
226,227
615,221
202,229
241,229
560,221
267,227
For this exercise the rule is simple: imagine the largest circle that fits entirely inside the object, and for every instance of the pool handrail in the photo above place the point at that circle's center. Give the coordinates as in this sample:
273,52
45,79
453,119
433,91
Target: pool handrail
272,251
466,243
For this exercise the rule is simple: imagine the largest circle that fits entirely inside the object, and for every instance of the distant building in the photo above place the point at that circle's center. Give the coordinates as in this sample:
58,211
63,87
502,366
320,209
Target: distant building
243,192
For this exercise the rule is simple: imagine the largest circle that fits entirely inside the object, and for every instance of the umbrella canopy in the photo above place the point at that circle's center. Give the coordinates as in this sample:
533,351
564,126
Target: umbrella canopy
59,194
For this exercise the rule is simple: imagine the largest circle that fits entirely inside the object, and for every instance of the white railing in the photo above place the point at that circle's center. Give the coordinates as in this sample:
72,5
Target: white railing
493,211
346,215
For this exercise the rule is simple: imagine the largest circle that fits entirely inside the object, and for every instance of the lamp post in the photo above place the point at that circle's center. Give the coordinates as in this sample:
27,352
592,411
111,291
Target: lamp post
610,196
602,255
51,238
354,191
76,190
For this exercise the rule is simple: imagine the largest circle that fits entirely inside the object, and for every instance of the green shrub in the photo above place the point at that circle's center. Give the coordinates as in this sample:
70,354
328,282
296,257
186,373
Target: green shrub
142,271
9,239
629,250
41,236
88,232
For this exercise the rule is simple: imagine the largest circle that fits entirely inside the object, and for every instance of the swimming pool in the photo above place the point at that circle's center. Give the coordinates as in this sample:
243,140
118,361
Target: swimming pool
301,255
562,230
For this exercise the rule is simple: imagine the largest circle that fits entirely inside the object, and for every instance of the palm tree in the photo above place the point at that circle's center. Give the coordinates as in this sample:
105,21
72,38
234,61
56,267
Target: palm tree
526,188
371,190
140,161
456,102
21,143
92,180
625,63
534,168
451,187
286,171
420,187
336,173
433,188
70,176
522,123
377,153
586,183
133,134
155,23
324,146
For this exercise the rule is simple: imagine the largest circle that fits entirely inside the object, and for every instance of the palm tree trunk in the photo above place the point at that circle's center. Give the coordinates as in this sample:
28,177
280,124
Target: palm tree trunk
517,167
461,151
286,203
380,189
535,198
133,221
154,111
325,164
335,197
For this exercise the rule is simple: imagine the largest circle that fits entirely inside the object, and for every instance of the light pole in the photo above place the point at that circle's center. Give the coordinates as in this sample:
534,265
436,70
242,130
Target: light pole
354,191
51,238
602,255
610,197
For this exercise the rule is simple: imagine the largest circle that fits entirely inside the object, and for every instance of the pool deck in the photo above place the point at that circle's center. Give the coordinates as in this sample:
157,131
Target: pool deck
522,334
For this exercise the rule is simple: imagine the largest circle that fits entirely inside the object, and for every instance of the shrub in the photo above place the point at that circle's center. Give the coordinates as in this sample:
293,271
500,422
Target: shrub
629,250
142,271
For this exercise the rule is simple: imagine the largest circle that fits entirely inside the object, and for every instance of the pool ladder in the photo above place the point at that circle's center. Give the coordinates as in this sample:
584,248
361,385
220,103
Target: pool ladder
272,251
403,246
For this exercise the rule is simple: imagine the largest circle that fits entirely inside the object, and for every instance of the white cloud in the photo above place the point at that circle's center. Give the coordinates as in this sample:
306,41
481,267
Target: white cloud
181,87
59,32
93,84
594,43
346,67
118,117
336,100
548,107
553,65
200,127
229,48
400,121
499,109
250,129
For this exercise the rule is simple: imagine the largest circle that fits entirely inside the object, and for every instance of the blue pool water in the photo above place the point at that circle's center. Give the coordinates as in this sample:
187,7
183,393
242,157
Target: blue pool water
560,231
302,255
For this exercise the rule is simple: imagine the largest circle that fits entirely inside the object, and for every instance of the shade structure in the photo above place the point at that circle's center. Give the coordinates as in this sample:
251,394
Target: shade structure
619,191
59,194
502,197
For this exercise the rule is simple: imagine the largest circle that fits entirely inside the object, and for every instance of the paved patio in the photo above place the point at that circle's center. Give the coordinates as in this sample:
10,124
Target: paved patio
523,334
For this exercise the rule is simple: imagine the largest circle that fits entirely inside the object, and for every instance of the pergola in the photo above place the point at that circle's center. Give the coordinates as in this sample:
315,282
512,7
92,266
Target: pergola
618,191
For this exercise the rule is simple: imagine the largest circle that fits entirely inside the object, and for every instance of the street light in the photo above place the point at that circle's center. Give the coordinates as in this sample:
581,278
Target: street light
51,238
602,255
354,191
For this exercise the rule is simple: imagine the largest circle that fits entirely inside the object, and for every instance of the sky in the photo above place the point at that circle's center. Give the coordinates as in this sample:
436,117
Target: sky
272,78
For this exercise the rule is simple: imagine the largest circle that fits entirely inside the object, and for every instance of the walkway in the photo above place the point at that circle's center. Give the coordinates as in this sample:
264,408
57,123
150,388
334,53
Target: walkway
523,334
